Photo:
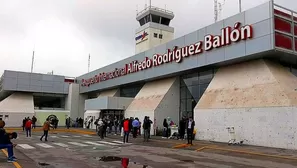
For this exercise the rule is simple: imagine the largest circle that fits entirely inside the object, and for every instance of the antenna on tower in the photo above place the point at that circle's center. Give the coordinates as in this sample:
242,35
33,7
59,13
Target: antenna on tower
89,62
136,9
218,9
150,3
32,63
145,5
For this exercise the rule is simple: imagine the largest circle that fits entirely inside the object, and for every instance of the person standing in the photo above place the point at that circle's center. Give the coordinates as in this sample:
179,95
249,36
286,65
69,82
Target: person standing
116,124
135,125
28,127
101,128
126,127
150,121
24,123
165,128
190,129
46,127
34,120
146,128
182,125
68,120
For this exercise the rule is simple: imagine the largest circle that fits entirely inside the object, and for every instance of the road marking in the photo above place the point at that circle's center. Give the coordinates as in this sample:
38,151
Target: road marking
251,153
181,146
109,143
61,144
64,136
16,164
87,135
53,136
76,136
121,142
94,143
78,144
44,145
26,146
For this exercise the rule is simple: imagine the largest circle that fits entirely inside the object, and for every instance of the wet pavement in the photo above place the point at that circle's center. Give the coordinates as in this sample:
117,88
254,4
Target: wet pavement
67,150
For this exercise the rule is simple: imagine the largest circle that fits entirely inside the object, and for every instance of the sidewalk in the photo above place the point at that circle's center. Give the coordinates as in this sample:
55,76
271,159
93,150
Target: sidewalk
3,161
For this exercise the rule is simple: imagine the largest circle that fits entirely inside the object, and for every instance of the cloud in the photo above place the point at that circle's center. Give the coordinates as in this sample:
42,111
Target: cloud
65,32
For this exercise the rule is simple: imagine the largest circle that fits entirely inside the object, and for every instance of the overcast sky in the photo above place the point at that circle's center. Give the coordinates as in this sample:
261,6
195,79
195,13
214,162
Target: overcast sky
64,32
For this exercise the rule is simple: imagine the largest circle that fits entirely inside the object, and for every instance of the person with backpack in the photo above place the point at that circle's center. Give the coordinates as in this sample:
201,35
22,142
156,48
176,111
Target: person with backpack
5,143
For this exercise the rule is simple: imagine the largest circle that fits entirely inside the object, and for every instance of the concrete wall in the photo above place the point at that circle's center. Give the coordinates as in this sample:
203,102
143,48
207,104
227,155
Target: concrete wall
259,17
258,98
110,93
169,106
17,106
33,82
153,100
72,101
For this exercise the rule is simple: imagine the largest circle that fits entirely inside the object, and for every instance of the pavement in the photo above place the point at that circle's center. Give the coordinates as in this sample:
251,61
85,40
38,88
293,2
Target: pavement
80,148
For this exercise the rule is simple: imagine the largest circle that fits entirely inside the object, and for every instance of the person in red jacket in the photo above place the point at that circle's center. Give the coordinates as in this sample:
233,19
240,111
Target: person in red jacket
126,127
28,127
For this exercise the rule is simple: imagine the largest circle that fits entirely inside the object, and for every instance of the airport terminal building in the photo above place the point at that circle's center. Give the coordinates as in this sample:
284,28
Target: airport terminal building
239,72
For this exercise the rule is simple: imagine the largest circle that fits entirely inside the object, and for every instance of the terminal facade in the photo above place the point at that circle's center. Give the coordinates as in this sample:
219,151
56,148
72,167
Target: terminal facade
240,72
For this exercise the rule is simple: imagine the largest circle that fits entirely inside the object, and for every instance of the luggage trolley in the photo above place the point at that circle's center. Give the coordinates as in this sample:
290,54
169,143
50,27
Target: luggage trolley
232,136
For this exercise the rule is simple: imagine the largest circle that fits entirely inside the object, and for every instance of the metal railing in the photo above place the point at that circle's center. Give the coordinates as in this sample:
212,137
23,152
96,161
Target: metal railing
155,9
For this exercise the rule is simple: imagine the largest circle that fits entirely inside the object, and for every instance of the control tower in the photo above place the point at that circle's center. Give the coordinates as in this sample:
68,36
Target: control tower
154,28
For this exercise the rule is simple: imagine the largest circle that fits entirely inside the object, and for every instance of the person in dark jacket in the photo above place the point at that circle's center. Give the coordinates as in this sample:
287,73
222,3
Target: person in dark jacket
34,120
190,130
182,128
165,129
5,143
24,123
2,123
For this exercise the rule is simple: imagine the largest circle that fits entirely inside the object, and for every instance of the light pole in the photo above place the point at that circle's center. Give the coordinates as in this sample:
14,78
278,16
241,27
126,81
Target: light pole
239,6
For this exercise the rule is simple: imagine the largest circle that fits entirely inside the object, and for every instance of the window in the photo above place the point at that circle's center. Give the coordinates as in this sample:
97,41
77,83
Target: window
6,117
1,117
160,36
156,35
192,87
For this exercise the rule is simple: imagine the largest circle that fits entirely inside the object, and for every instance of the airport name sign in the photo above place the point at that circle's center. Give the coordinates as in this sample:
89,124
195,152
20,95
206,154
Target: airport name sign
228,36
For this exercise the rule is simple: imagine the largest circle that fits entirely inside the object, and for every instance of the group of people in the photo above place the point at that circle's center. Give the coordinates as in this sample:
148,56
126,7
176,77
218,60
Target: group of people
29,124
134,126
77,123
105,125
186,124
5,141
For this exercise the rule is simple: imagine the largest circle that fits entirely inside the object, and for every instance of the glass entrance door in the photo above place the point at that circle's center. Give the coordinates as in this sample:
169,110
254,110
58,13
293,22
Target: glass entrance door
111,114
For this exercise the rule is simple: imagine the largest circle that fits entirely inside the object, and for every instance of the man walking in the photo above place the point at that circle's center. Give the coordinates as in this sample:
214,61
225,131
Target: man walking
46,127
190,129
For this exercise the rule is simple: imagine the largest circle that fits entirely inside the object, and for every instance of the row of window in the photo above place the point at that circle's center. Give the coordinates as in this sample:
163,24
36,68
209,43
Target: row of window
156,35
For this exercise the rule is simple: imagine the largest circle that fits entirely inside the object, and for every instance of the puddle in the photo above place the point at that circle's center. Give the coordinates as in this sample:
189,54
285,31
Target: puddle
109,158
124,161
43,164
